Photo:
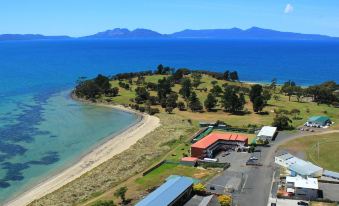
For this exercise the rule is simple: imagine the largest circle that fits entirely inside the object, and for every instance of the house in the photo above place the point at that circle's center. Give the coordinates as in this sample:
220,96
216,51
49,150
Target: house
318,121
213,143
267,133
302,188
189,161
298,166
210,200
177,190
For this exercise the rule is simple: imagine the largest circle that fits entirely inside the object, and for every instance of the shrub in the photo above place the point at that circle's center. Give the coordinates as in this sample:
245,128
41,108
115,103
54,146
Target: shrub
225,200
199,188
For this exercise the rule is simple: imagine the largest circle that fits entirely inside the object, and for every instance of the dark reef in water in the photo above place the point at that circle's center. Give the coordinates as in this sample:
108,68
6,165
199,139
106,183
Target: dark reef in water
23,130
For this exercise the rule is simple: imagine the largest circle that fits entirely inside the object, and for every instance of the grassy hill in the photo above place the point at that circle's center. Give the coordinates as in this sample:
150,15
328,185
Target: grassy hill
306,108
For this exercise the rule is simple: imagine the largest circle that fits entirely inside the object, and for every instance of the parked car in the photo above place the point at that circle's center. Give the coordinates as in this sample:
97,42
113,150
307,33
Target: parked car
302,203
253,158
212,188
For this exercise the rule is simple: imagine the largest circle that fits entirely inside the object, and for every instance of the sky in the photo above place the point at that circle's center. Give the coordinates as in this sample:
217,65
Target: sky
85,17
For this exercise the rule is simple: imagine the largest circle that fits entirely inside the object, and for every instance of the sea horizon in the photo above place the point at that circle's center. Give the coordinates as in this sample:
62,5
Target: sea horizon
36,109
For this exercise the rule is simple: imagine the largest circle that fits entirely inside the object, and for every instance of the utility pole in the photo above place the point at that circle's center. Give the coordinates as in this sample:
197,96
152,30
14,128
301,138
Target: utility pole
318,149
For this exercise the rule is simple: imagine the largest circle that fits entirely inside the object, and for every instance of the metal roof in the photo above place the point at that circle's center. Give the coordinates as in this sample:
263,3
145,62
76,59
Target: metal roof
214,137
300,166
167,192
267,131
309,183
328,173
318,119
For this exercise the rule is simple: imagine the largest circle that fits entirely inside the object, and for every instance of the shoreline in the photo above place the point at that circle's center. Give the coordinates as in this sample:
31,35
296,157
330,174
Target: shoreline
115,144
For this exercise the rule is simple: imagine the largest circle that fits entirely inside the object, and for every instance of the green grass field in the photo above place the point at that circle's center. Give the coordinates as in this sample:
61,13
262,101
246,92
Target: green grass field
160,174
307,108
328,149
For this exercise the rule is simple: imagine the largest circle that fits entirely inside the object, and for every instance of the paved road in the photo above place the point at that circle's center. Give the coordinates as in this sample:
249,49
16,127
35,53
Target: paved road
256,189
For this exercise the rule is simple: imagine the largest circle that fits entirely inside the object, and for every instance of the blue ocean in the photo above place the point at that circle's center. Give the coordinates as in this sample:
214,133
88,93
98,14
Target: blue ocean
42,130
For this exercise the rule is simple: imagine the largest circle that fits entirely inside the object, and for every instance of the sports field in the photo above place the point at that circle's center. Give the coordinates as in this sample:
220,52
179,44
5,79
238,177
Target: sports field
322,150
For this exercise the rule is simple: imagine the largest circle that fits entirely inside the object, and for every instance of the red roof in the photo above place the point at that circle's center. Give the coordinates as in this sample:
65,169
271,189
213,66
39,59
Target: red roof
214,137
189,159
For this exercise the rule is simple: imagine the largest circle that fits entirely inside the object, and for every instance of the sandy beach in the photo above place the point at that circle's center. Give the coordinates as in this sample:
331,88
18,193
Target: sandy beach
115,145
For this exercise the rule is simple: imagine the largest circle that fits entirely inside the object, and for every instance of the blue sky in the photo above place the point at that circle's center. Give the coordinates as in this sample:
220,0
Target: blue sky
83,17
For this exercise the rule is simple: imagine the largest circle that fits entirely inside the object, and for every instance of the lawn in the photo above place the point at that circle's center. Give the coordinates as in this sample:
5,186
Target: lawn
322,204
307,108
159,175
328,149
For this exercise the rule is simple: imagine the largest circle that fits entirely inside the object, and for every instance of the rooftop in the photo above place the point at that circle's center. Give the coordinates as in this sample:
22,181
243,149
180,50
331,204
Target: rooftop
189,159
167,192
331,174
318,119
214,137
300,182
267,131
299,166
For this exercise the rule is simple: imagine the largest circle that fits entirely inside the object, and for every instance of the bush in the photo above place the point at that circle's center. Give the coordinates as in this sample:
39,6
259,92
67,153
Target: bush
199,188
142,109
104,203
225,200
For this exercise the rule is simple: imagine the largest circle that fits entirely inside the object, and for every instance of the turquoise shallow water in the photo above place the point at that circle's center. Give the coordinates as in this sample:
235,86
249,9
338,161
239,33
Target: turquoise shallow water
52,134
43,130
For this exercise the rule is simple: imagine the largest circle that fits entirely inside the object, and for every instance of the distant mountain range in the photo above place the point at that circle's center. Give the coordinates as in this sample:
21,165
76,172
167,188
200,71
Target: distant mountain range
233,33
5,37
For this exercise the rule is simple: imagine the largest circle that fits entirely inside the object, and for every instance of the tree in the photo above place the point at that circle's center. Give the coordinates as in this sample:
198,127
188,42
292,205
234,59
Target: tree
231,101
186,88
142,93
160,69
194,103
281,122
299,93
273,85
181,106
295,113
258,104
256,90
288,88
112,92
164,88
266,95
171,100
216,90
225,200
214,82
121,192
87,89
104,203
169,110
210,102
196,79
226,75
102,82
234,76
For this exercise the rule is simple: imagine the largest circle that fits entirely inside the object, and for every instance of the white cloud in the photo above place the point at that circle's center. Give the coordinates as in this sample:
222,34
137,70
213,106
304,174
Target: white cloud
288,9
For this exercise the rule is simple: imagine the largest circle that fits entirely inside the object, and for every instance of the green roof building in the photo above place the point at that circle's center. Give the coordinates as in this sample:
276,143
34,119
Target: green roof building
319,120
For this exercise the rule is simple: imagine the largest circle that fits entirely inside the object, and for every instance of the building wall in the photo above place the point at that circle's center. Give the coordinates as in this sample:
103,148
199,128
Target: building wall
183,198
197,152
306,194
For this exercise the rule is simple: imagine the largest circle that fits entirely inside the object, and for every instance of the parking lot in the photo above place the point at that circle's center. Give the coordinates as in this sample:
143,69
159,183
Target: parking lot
330,191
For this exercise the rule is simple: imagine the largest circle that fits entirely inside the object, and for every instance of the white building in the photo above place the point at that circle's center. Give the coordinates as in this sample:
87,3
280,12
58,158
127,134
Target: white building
304,188
267,132
298,166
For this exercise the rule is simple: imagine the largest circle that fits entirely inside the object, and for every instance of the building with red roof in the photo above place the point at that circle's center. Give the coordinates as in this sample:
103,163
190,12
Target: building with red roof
213,143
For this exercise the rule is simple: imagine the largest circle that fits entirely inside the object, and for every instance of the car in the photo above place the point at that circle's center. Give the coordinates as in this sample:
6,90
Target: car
253,158
212,188
273,204
302,203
